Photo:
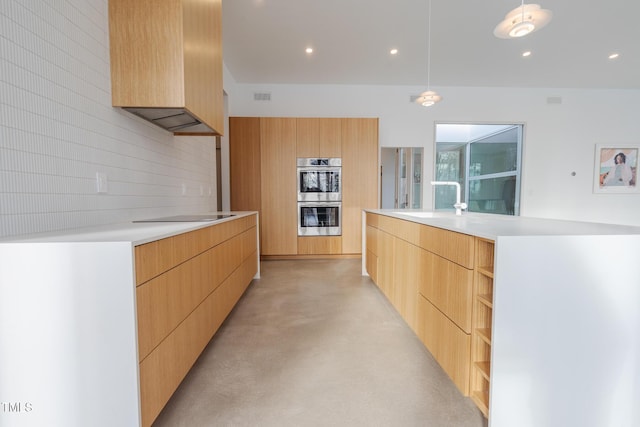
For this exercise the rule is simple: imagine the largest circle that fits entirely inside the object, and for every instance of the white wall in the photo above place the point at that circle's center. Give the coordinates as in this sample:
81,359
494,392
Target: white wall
57,129
559,138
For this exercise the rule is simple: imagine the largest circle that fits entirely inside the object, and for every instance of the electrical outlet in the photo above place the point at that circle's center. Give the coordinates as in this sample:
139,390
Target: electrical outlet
184,189
102,183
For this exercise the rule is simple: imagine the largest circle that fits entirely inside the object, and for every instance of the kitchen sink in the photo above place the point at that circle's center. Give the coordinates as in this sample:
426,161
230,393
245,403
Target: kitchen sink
424,214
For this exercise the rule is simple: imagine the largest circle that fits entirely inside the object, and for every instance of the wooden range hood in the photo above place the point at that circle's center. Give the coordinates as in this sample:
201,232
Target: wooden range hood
166,62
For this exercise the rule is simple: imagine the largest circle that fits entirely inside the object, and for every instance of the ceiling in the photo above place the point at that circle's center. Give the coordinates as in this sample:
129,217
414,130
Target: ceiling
265,40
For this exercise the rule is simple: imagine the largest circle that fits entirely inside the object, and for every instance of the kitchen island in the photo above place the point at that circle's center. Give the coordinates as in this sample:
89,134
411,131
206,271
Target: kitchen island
99,325
536,319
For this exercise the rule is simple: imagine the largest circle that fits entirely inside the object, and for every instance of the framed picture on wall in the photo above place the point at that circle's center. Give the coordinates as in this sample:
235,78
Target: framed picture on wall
616,169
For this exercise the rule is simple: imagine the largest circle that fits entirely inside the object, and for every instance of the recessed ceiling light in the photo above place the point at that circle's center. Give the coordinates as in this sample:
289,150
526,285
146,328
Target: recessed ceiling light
309,50
527,53
393,51
614,55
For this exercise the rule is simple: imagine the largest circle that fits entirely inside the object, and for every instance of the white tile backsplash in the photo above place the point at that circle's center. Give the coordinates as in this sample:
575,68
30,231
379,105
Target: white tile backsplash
57,129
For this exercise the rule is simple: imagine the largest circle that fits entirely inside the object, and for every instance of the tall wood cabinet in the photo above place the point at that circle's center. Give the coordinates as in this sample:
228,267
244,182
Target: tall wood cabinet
360,186
278,208
155,70
263,154
244,162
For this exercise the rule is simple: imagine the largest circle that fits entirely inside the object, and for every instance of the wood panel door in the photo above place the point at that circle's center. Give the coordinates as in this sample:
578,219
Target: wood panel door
308,137
405,279
448,286
448,344
359,178
244,163
318,137
279,219
330,141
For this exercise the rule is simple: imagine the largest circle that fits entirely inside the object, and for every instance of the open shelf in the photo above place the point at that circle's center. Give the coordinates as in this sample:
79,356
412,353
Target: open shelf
481,399
486,270
486,299
484,368
484,334
481,325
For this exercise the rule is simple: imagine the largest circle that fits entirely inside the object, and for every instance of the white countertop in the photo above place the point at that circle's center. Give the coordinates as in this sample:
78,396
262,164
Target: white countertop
137,233
492,226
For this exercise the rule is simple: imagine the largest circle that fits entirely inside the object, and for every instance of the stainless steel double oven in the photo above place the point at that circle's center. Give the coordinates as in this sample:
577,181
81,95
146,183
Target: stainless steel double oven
319,196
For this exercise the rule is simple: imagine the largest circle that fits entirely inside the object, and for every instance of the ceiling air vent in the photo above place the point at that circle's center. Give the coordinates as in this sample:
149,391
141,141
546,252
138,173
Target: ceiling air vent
262,96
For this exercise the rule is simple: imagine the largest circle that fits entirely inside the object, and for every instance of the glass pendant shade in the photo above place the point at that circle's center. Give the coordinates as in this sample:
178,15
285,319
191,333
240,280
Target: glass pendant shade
428,98
522,20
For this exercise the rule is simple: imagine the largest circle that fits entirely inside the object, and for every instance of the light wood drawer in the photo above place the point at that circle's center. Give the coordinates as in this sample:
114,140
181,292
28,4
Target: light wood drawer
163,302
453,246
448,286
388,224
408,231
372,219
319,245
165,367
405,230
372,239
450,345
154,258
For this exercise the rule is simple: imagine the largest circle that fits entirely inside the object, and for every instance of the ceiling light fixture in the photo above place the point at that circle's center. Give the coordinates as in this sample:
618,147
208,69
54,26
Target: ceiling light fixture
526,53
614,56
429,97
309,50
393,51
522,20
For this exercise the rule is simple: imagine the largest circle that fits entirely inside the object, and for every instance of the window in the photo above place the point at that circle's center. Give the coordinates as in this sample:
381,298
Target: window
485,160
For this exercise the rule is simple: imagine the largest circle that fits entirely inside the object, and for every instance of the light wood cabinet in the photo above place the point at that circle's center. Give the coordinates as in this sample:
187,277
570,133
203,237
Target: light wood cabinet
482,324
186,286
386,249
391,262
449,287
244,163
406,281
155,69
448,344
263,178
360,176
318,137
320,245
279,196
263,154
427,275
444,325
372,247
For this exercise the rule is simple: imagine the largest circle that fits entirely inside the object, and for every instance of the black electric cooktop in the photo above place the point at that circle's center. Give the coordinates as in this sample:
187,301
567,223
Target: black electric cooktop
188,218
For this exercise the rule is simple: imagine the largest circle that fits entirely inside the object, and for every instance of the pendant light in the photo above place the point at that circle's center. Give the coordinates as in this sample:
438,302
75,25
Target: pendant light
429,97
522,20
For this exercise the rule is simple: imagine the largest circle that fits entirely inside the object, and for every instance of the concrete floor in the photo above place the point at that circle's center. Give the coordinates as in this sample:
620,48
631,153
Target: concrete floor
314,343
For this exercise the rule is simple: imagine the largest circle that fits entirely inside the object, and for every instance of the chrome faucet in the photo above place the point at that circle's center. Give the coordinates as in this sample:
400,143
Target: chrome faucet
459,204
